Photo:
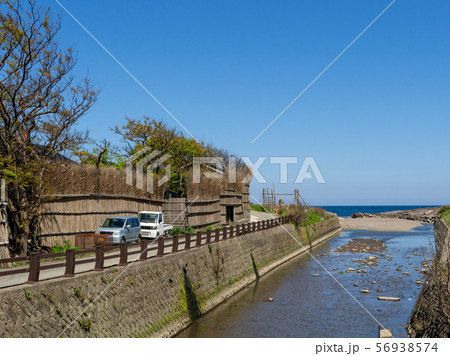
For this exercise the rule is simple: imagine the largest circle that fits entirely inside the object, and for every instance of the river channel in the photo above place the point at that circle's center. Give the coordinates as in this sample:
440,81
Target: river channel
309,302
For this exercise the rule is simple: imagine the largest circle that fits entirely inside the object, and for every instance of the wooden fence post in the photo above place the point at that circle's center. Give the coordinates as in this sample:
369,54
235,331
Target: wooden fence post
33,276
99,258
70,263
143,255
208,237
217,235
198,243
224,236
123,254
231,231
187,243
160,252
175,239
253,226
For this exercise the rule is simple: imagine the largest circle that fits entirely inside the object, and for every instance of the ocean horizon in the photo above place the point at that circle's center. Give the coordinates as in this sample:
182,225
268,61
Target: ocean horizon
345,211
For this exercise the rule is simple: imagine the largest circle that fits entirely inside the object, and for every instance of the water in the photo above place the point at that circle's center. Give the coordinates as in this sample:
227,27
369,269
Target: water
308,306
346,211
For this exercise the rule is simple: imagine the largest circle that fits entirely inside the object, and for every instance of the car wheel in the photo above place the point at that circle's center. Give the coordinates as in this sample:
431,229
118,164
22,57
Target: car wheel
139,238
166,234
123,239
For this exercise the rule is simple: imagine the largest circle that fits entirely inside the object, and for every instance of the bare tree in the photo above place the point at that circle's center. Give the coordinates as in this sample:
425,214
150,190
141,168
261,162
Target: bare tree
40,105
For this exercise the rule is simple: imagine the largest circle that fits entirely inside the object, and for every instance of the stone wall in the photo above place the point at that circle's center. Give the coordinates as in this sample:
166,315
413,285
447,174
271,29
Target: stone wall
431,314
442,239
157,297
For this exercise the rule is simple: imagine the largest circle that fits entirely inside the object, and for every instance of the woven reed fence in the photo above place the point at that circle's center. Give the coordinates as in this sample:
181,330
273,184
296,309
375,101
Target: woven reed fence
64,216
83,196
174,210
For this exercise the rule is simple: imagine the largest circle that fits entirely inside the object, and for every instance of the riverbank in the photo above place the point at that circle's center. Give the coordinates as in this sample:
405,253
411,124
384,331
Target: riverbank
430,316
300,299
378,224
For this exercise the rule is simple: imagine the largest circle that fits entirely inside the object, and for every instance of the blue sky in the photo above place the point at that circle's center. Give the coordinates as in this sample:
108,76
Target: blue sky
376,123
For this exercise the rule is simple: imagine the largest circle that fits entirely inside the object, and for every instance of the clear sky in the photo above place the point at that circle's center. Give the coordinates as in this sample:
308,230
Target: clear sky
377,122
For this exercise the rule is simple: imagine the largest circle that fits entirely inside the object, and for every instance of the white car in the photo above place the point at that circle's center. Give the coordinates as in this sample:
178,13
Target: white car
152,224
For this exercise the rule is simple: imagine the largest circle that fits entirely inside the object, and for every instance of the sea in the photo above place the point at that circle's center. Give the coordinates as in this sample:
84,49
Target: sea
348,210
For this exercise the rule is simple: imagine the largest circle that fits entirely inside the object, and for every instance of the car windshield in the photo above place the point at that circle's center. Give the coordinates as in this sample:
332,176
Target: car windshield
113,222
148,218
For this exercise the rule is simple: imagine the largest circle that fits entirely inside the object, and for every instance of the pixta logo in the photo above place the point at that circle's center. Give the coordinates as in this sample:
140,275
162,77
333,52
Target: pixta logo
307,169
146,162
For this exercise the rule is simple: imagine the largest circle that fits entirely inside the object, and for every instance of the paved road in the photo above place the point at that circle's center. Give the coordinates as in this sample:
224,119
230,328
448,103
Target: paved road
21,278
258,216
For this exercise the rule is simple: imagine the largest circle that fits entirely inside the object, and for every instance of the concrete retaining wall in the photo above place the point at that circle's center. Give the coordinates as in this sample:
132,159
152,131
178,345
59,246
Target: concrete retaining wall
431,314
158,297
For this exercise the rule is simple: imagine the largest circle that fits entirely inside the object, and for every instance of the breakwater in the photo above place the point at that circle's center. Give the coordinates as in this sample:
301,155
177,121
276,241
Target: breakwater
431,314
157,297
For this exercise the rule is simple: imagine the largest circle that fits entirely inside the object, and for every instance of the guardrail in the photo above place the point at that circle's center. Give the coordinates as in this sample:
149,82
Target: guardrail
160,245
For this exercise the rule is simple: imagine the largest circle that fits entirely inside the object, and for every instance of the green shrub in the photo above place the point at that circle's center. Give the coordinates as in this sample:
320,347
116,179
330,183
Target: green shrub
67,245
312,217
305,216
177,230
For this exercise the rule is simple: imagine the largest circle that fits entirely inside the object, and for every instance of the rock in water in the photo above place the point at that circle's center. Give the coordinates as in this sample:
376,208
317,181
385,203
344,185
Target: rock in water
389,299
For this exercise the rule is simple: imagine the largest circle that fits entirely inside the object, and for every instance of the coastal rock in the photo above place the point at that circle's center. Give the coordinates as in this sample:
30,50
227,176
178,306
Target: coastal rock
426,215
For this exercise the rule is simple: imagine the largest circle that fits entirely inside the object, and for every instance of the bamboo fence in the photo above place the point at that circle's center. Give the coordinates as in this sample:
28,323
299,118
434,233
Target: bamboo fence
64,216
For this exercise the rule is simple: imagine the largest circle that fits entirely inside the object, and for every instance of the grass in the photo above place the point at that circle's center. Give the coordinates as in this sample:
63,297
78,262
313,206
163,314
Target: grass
444,214
261,209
